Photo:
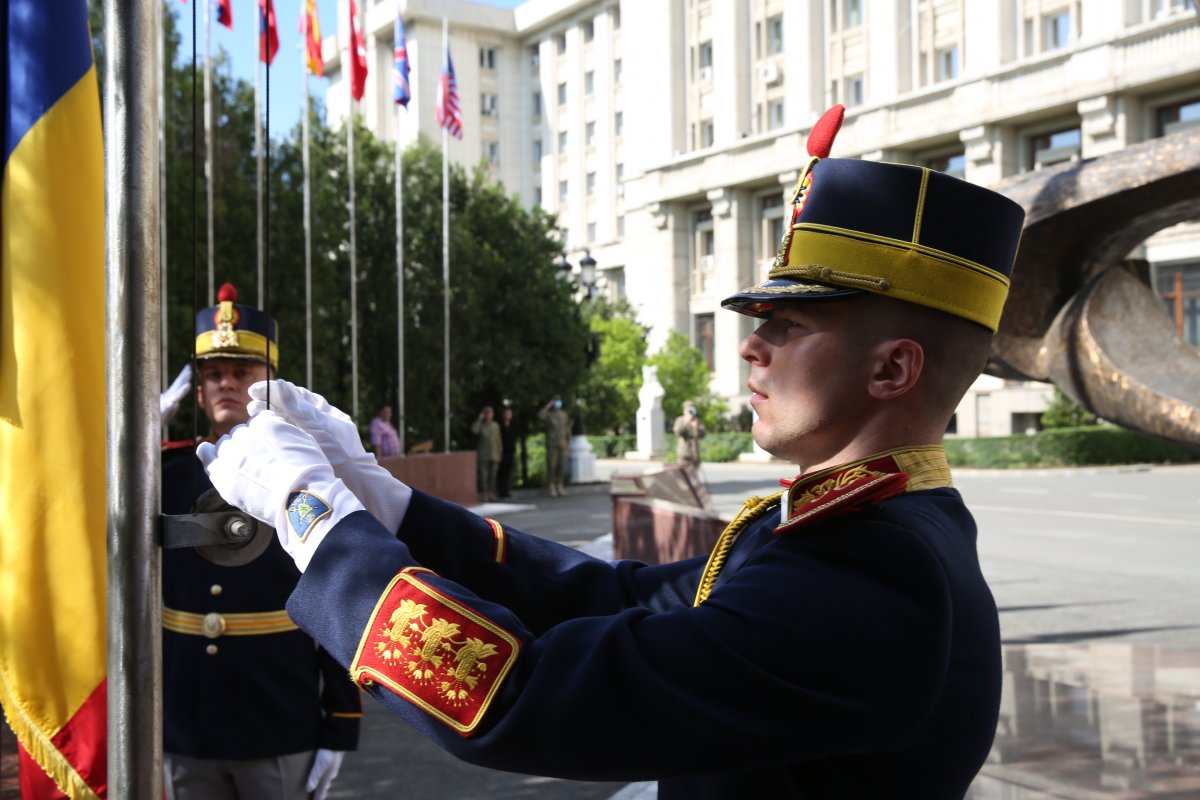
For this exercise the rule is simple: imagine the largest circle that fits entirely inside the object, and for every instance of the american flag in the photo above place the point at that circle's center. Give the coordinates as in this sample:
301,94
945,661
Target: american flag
403,92
449,113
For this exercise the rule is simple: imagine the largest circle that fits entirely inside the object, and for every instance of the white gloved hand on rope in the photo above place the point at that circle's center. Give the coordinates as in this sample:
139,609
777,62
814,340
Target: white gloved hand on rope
277,474
325,768
337,435
168,401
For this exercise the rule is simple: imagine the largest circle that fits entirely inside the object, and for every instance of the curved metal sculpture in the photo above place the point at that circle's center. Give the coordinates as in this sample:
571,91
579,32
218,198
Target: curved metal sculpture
1080,315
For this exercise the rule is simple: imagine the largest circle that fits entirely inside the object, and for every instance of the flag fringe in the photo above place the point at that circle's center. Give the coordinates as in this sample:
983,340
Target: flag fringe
42,750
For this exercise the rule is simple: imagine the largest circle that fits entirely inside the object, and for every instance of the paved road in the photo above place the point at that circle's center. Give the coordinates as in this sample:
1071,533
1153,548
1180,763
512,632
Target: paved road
1105,555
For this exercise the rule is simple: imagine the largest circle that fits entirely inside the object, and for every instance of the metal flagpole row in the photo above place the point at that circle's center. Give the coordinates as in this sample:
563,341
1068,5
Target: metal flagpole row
446,252
308,358
132,209
208,148
353,261
400,425
258,182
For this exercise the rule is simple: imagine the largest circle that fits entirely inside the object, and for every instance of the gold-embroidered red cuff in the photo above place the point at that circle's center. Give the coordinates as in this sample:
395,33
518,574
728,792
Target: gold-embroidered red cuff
436,653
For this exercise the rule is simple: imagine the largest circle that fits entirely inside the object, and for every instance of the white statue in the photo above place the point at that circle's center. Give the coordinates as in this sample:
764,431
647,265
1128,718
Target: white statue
651,435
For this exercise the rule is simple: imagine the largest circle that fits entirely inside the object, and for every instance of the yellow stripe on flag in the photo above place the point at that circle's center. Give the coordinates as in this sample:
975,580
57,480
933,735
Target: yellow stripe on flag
52,428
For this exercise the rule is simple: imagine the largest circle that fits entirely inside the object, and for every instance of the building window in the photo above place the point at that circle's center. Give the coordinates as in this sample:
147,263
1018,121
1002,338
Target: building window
954,164
487,58
621,227
771,209
620,172
775,35
1177,117
537,153
704,333
562,142
535,56
616,70
491,152
706,133
616,18
854,91
591,233
704,61
775,114
705,247
1179,287
537,104
562,191
853,13
589,30
590,134
947,64
1055,147
589,81
562,94
537,195
591,184
560,43
1056,30
619,123
488,104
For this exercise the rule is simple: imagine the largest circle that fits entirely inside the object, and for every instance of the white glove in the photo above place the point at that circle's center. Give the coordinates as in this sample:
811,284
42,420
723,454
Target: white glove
325,768
276,473
336,434
168,401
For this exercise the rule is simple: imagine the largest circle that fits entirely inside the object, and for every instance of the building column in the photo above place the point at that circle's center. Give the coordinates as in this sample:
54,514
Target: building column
657,268
731,83
733,230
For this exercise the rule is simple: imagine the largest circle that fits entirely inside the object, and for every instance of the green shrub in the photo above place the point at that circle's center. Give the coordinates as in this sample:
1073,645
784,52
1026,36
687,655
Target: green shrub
612,445
1064,447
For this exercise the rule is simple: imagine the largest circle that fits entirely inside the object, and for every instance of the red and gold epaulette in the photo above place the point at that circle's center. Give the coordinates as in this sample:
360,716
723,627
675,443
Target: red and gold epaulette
436,653
847,488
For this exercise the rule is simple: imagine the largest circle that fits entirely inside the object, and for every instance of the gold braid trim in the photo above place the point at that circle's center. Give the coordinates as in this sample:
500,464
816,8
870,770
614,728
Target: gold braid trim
751,510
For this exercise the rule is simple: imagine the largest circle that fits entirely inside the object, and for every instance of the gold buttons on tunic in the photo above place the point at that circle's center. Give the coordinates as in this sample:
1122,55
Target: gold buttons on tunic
215,589
213,625
211,649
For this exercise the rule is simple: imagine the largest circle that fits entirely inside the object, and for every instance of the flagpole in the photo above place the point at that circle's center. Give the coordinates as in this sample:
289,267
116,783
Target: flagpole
399,283
208,148
308,362
446,254
161,68
258,158
353,260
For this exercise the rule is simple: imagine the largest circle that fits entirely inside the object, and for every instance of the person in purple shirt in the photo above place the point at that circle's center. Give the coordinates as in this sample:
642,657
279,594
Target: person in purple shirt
385,440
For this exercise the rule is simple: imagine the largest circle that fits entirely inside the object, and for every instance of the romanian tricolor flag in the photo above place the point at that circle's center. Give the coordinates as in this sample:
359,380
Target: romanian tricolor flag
52,399
310,26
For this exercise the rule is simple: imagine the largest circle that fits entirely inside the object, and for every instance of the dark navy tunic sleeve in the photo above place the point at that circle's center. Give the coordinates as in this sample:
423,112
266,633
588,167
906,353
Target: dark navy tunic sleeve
821,656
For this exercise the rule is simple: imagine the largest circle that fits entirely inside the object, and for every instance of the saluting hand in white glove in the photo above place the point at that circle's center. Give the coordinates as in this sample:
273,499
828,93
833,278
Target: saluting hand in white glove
336,434
276,473
168,401
325,768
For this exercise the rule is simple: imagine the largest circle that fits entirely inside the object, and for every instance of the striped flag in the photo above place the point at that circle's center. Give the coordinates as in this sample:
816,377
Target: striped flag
449,113
53,638
358,55
225,13
403,93
268,36
310,26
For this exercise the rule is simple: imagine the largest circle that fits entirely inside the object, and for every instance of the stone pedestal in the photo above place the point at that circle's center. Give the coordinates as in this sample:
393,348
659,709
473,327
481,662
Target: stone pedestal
581,461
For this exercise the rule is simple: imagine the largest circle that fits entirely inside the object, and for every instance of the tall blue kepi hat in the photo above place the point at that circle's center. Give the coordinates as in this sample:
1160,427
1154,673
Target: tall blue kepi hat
228,330
892,229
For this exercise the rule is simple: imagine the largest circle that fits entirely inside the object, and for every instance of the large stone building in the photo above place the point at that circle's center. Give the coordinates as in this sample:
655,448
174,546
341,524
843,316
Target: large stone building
664,133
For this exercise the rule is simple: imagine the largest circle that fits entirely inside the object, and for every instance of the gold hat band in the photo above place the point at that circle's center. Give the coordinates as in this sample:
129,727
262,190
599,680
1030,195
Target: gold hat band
250,345
904,270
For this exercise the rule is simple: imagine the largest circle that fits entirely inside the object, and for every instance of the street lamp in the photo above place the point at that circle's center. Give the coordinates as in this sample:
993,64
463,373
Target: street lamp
587,272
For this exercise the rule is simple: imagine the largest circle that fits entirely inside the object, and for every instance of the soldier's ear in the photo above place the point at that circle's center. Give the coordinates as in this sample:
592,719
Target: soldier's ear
896,367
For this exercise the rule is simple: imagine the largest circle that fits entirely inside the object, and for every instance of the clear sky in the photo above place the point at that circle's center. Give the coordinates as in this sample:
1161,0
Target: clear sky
287,81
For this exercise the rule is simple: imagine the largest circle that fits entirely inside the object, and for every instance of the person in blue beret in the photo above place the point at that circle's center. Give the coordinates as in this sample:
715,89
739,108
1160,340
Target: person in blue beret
840,640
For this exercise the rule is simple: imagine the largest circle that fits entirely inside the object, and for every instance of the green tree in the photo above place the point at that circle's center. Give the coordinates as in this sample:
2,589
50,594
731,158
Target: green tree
1063,412
610,393
684,376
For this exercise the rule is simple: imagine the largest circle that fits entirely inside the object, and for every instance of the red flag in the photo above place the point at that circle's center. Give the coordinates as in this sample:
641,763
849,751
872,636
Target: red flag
268,37
358,55
225,13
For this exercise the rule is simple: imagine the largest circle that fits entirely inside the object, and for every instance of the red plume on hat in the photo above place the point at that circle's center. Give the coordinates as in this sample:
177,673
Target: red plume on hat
820,143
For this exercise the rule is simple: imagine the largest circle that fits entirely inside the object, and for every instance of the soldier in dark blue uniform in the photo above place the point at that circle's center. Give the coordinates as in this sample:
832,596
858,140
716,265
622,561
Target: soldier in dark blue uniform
252,708
839,642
